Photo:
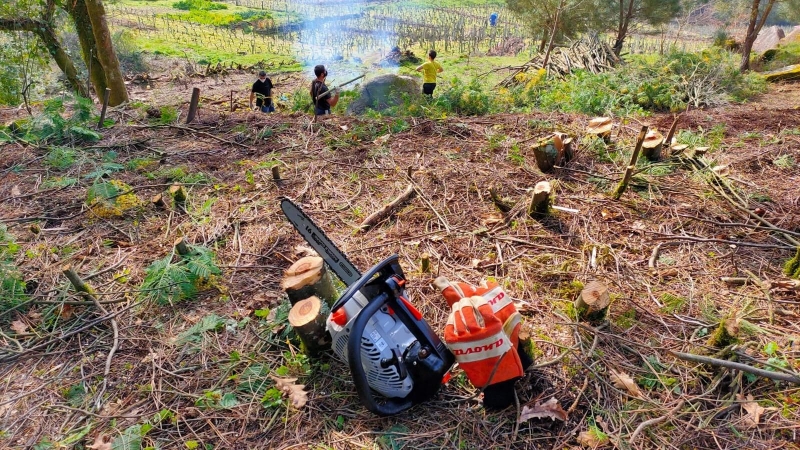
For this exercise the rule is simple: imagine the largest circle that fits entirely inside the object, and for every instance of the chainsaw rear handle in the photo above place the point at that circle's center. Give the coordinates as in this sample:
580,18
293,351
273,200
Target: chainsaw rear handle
392,405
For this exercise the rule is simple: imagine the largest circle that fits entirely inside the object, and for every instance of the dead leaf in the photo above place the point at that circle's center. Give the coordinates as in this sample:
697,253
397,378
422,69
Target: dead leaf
100,443
624,381
381,139
492,219
19,326
66,312
550,408
15,192
754,411
591,439
296,392
607,214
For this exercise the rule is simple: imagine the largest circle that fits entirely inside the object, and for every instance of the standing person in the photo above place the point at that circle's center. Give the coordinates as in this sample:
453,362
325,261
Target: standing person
429,71
325,103
262,92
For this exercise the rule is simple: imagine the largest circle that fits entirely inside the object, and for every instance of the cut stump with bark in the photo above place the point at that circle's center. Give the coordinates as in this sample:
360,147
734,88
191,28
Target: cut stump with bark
601,128
307,317
540,201
592,303
548,152
308,277
178,194
652,145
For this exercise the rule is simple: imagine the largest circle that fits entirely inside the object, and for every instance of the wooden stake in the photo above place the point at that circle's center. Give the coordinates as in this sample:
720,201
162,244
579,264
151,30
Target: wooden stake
307,277
307,317
425,263
193,105
540,201
592,304
631,165
388,209
276,175
106,96
231,101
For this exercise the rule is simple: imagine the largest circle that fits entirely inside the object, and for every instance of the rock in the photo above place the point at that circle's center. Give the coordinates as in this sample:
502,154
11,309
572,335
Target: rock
768,39
792,37
383,92
788,73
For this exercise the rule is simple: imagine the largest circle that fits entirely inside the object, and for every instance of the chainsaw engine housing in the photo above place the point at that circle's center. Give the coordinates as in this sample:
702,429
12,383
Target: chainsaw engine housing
391,350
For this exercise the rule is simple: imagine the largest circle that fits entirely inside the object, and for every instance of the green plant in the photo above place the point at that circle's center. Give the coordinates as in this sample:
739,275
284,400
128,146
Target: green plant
60,157
12,286
198,5
785,162
515,155
464,99
131,58
170,279
50,126
168,115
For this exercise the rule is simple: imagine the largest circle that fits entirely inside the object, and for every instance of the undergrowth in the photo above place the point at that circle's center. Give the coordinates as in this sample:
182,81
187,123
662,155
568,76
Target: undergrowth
54,125
12,287
170,279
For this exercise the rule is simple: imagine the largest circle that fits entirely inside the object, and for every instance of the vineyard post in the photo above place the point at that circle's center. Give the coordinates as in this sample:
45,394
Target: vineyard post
193,105
231,101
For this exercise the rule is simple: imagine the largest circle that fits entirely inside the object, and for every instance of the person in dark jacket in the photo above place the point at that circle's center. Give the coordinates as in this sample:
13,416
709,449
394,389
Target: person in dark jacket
323,105
262,92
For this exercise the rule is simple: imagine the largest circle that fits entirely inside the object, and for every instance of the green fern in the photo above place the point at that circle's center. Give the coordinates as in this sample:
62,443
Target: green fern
168,282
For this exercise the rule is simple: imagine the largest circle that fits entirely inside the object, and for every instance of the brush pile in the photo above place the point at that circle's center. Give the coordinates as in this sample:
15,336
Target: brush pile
397,57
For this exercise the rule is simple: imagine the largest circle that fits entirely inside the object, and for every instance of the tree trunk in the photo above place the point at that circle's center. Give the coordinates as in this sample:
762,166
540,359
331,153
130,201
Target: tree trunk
83,27
754,26
105,52
44,30
622,28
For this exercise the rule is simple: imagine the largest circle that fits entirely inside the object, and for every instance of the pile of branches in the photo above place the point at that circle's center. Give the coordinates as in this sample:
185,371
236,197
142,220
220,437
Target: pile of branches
397,57
510,46
591,54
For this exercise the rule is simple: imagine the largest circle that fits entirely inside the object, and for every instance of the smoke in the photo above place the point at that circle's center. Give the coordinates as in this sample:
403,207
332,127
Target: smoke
341,33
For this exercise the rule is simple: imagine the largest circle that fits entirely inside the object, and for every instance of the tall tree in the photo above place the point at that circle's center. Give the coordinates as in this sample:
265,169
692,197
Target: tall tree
555,20
758,15
631,13
89,17
44,28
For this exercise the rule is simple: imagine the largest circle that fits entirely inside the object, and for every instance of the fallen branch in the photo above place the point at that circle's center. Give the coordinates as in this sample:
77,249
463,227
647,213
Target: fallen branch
655,421
388,209
737,366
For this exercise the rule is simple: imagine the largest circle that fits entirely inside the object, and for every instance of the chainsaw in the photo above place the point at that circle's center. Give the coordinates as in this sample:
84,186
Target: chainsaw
376,330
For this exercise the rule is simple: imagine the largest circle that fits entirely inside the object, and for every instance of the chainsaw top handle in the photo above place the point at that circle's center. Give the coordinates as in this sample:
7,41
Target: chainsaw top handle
386,268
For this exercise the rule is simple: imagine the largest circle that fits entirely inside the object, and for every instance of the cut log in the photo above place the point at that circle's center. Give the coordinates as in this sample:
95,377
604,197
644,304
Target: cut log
307,317
651,147
388,209
547,152
308,277
623,184
592,304
540,201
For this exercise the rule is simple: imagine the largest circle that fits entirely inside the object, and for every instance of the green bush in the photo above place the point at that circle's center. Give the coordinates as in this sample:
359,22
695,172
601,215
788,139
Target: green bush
131,59
51,126
468,100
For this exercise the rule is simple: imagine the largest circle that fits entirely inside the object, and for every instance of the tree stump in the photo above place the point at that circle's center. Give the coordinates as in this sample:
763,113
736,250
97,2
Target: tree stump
178,194
568,152
592,303
158,201
547,152
308,277
540,201
425,263
307,317
601,128
651,147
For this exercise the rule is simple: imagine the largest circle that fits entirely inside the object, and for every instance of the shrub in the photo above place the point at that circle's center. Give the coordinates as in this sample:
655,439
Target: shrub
167,282
468,100
131,59
12,288
198,5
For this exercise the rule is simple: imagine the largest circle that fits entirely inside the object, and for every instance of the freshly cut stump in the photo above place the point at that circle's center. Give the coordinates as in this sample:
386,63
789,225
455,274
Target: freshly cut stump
308,277
307,317
592,304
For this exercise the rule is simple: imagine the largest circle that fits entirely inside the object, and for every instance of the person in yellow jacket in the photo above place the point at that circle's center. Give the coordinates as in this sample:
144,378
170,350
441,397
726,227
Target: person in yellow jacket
429,71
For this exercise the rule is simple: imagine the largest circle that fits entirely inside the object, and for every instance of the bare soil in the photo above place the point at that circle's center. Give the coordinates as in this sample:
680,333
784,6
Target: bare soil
673,235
